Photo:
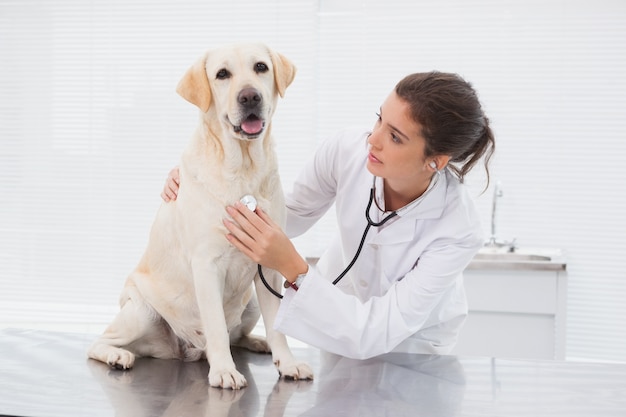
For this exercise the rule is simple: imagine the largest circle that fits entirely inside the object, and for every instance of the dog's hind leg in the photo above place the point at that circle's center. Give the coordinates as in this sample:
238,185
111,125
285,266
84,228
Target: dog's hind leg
136,330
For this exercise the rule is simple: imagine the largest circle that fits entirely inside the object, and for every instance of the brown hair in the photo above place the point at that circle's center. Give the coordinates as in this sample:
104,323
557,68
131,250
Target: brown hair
452,119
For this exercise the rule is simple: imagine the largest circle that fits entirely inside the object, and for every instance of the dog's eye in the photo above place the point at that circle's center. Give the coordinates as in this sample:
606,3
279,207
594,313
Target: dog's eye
261,67
222,74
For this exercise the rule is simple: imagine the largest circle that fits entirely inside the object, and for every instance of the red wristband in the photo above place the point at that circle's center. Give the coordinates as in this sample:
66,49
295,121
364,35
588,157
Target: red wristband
288,284
294,284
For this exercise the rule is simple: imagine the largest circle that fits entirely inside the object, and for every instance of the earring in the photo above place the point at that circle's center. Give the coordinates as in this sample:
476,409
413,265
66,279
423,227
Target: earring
433,165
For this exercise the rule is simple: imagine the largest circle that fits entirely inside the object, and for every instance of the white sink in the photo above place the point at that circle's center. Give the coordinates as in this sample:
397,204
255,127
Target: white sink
510,257
522,258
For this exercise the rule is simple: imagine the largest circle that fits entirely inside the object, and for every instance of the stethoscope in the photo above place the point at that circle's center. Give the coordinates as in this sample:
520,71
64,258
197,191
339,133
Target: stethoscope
250,202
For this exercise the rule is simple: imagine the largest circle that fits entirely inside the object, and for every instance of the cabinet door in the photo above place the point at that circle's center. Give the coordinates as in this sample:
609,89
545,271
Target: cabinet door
532,292
511,314
507,335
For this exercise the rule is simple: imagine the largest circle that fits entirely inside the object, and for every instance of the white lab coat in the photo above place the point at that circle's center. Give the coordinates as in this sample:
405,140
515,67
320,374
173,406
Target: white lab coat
405,292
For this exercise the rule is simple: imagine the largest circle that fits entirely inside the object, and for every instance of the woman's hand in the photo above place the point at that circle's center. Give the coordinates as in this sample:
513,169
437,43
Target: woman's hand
257,236
172,183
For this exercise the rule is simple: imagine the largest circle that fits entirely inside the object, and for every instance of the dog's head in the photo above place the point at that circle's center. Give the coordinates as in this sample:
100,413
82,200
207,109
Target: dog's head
240,84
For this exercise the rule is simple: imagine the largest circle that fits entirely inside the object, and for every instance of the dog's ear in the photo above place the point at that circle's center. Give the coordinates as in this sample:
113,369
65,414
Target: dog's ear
194,86
284,72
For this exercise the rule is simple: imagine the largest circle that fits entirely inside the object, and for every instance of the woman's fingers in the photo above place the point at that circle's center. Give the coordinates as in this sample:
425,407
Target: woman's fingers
253,230
246,219
257,236
267,219
170,191
243,234
235,237
172,183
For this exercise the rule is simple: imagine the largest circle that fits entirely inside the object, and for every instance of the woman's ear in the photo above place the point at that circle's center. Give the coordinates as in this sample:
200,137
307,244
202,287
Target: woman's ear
439,162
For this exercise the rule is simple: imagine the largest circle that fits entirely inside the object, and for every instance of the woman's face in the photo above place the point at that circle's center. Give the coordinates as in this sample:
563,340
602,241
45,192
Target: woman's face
396,146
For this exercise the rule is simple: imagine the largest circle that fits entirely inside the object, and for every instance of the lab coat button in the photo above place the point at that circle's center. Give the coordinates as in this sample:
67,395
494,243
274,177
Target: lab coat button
363,283
374,246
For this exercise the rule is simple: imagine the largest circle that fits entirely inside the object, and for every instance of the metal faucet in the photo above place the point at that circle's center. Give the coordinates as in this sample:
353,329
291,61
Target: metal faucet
493,240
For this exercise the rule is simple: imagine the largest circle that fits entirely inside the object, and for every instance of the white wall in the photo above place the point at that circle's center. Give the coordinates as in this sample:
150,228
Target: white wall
90,126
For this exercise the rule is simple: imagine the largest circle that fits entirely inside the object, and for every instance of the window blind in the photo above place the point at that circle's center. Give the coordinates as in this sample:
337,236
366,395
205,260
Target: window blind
551,78
90,125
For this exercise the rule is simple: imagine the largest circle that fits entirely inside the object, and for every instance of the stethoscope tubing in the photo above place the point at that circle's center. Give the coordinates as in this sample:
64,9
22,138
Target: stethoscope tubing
370,223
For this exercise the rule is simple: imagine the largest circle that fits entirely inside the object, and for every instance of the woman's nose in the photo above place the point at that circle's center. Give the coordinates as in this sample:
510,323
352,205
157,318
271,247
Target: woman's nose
373,139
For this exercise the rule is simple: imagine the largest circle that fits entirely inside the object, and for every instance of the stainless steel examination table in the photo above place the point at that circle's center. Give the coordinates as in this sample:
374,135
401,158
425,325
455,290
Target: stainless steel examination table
48,374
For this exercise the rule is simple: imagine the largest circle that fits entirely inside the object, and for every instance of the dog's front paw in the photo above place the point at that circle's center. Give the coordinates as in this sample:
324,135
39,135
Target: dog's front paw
120,359
226,378
294,370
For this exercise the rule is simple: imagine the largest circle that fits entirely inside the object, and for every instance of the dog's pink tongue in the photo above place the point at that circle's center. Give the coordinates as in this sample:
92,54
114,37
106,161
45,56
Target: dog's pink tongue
252,127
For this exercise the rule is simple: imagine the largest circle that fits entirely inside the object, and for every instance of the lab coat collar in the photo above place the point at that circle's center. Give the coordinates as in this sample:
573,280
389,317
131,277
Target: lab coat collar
430,207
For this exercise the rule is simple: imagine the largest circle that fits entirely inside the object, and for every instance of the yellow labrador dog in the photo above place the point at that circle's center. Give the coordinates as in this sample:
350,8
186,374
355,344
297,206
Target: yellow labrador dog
191,295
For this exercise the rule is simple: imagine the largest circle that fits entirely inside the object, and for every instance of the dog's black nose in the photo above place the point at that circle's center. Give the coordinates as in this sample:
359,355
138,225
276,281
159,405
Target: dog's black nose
249,98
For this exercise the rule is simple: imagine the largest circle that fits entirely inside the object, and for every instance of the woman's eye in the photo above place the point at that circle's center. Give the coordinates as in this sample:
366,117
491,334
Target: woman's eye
394,137
222,74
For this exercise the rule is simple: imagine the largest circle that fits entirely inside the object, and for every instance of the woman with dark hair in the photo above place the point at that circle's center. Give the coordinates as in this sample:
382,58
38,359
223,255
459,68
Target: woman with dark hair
391,279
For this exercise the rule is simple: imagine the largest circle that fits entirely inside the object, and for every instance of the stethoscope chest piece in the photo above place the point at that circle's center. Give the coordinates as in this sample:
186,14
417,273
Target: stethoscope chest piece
249,201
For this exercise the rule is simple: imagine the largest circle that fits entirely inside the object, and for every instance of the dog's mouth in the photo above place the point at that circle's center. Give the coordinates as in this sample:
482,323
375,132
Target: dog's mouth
252,126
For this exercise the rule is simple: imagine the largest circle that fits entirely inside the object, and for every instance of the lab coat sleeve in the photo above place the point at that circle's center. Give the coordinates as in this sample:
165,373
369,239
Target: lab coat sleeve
314,190
323,316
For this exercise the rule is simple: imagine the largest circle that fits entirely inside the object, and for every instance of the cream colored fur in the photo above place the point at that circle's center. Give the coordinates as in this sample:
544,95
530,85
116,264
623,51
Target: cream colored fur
191,295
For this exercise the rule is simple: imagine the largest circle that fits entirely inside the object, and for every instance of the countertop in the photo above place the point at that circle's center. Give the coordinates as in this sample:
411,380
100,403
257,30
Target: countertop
48,374
518,259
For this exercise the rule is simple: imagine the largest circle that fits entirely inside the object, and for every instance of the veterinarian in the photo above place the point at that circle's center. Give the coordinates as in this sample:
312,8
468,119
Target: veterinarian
404,291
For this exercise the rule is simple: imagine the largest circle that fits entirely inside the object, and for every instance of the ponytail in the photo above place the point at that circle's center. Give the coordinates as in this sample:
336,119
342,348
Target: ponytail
452,119
483,148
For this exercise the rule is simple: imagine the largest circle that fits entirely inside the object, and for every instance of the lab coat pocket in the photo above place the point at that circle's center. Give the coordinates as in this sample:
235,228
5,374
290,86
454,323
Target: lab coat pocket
396,263
392,249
